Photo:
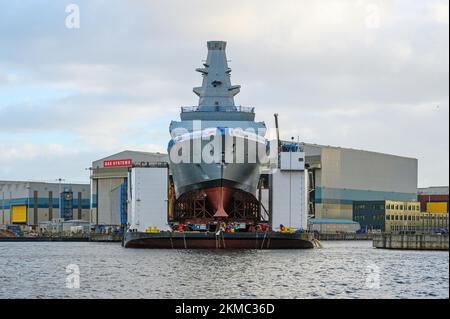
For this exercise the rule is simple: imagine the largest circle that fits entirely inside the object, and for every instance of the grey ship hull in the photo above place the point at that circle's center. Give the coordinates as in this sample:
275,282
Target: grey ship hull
194,177
239,174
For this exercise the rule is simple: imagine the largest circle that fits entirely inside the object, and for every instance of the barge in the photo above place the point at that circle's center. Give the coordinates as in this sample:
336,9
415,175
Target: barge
244,240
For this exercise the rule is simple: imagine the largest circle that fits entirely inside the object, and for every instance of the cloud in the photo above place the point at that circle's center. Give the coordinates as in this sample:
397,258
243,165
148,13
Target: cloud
441,10
364,74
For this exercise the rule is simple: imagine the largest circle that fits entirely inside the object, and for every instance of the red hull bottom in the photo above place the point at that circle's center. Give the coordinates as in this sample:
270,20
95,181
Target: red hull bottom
219,197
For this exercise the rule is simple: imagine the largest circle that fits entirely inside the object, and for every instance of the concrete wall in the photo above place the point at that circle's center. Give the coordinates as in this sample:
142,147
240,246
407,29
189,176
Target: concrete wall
422,241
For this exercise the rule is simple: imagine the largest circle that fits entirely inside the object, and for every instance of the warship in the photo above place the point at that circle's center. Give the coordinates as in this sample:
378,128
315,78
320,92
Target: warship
216,148
217,155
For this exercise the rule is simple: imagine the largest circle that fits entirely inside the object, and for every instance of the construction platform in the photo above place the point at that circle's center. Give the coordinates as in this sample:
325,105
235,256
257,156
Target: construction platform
209,240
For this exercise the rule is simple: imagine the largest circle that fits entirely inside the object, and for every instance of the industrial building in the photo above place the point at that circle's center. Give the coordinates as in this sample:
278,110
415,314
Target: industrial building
109,177
336,178
397,216
339,176
433,199
30,203
110,180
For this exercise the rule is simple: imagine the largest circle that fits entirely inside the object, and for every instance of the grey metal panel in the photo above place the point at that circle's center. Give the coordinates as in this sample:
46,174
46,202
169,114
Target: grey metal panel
104,210
312,150
289,199
115,206
434,190
43,214
353,169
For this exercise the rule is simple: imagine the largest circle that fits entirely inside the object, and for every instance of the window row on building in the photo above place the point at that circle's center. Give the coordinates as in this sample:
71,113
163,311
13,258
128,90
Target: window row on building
392,216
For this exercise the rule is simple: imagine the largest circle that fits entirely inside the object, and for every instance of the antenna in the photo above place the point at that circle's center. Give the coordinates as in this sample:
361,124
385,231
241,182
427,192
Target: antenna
277,129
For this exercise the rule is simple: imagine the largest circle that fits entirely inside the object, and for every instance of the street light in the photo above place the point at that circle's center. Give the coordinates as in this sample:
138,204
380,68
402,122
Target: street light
91,196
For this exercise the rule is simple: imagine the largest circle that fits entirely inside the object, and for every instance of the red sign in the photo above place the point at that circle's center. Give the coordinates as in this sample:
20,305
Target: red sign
118,163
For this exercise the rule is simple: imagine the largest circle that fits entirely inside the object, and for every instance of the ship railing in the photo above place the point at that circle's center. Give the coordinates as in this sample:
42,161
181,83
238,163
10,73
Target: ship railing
243,109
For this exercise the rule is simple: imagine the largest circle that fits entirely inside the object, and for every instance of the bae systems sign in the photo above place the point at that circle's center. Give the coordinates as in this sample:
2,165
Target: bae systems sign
118,163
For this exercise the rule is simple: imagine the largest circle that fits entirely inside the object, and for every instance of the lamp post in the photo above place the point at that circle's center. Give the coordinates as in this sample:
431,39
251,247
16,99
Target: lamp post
91,196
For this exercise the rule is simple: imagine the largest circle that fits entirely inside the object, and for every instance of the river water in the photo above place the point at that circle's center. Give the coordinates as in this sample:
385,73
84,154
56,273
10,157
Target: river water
344,269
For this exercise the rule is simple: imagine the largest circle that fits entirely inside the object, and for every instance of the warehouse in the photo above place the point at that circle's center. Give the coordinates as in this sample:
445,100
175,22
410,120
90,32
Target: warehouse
433,199
338,176
109,184
29,203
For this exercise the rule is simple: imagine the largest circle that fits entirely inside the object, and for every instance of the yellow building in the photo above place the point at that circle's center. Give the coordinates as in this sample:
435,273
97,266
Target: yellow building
397,216
406,216
402,216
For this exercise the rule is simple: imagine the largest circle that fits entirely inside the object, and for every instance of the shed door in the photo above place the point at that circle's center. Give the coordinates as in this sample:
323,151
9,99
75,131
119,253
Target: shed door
19,214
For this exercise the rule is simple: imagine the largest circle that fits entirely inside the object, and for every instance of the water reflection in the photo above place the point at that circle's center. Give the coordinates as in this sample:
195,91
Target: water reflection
340,270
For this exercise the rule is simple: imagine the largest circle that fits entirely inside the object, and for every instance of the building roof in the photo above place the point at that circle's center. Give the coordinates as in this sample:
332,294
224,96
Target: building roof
133,155
64,182
433,190
331,221
319,146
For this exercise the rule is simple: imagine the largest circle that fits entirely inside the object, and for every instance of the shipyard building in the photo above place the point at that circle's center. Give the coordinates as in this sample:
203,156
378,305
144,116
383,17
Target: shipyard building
30,203
109,179
339,176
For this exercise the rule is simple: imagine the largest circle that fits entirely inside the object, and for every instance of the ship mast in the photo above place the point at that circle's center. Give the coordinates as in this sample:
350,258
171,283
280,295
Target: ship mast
216,92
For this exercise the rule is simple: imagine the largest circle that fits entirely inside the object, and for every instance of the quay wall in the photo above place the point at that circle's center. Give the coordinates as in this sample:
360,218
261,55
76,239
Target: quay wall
416,241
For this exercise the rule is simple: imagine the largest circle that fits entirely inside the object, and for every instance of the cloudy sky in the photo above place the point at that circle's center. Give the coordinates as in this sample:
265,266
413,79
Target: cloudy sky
369,74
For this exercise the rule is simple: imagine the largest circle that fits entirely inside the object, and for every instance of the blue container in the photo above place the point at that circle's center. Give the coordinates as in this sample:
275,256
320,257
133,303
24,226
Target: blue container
123,204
